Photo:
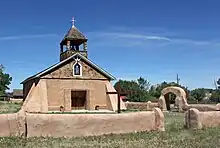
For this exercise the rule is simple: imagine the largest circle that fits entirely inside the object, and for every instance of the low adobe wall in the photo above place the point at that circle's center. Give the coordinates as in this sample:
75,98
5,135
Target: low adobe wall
12,100
12,124
73,125
202,107
197,120
144,106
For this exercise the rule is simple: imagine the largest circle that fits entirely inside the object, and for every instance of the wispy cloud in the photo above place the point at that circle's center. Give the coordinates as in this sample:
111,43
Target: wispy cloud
135,36
18,37
122,35
130,38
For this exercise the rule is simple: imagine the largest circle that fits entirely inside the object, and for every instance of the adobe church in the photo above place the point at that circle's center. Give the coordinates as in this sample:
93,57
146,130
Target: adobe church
75,83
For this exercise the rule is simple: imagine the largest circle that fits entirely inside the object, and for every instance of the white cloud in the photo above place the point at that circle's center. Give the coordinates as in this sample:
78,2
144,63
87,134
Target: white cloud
129,38
17,37
128,35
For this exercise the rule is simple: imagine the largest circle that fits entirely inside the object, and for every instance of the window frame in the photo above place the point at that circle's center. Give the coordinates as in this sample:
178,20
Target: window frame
80,67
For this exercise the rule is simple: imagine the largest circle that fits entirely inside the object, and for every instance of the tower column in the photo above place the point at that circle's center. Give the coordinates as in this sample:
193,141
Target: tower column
61,48
68,45
85,46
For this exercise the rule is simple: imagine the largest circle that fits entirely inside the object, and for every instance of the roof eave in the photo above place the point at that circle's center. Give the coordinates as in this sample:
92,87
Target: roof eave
108,75
99,68
28,79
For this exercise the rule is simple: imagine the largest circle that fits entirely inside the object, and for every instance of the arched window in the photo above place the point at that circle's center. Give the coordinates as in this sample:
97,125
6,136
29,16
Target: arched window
77,69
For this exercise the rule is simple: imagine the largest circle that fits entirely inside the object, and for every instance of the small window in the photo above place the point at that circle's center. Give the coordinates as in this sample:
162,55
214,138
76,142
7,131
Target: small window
77,69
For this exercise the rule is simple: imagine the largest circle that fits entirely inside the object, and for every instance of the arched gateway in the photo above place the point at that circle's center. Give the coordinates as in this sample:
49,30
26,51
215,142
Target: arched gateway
180,100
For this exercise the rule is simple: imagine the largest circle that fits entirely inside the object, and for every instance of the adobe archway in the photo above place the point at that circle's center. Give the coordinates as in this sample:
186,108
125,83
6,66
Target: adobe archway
180,100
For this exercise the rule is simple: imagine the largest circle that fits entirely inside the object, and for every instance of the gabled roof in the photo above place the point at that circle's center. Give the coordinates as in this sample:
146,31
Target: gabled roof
99,69
74,34
17,92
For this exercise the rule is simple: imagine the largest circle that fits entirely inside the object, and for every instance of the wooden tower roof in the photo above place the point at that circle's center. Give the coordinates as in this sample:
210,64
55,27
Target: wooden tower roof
74,35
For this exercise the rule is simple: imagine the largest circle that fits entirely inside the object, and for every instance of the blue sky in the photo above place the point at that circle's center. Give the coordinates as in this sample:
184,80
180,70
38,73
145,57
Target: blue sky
153,39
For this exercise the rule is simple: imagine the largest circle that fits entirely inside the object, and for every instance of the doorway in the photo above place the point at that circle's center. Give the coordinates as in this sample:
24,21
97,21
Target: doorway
170,100
78,99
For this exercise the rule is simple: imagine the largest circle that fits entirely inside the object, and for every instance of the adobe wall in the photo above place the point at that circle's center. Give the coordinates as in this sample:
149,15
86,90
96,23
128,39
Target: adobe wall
145,106
36,100
12,100
202,107
12,124
112,99
50,94
58,89
197,120
180,100
74,125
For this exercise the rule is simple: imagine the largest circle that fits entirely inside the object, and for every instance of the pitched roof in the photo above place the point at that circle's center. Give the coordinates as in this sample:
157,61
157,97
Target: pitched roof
42,73
74,34
17,92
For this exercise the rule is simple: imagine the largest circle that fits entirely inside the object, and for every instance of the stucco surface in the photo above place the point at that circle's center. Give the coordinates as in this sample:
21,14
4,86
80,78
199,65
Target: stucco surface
37,99
197,120
12,124
50,94
202,107
180,100
176,90
53,89
58,88
69,125
147,106
112,99
74,125
210,119
159,119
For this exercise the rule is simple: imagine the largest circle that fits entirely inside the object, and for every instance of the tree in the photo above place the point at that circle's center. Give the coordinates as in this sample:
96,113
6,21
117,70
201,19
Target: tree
143,84
198,93
156,90
5,80
137,90
216,93
218,84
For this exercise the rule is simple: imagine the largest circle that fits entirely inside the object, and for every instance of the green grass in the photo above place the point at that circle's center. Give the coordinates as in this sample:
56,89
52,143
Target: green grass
175,136
6,107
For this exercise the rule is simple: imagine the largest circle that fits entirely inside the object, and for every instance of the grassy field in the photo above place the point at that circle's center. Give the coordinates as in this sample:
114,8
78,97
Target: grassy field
6,107
174,137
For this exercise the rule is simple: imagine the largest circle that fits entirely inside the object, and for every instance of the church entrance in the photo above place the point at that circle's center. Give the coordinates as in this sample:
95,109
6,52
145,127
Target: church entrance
78,99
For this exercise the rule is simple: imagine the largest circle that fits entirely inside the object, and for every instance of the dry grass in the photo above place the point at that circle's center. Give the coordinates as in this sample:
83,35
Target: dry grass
174,137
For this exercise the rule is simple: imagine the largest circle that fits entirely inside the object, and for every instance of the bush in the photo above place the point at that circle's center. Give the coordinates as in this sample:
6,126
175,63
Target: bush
154,99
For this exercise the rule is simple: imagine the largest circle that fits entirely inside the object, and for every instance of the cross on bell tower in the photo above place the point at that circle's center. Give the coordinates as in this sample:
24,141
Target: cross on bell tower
73,22
72,42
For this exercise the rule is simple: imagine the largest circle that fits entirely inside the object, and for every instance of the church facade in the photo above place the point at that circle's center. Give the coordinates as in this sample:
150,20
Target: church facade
75,82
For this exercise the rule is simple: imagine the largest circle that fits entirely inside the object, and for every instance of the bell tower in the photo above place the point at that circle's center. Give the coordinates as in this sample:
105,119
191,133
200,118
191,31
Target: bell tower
73,42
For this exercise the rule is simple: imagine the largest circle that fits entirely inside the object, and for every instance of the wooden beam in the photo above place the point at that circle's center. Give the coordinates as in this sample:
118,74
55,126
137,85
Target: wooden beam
122,93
